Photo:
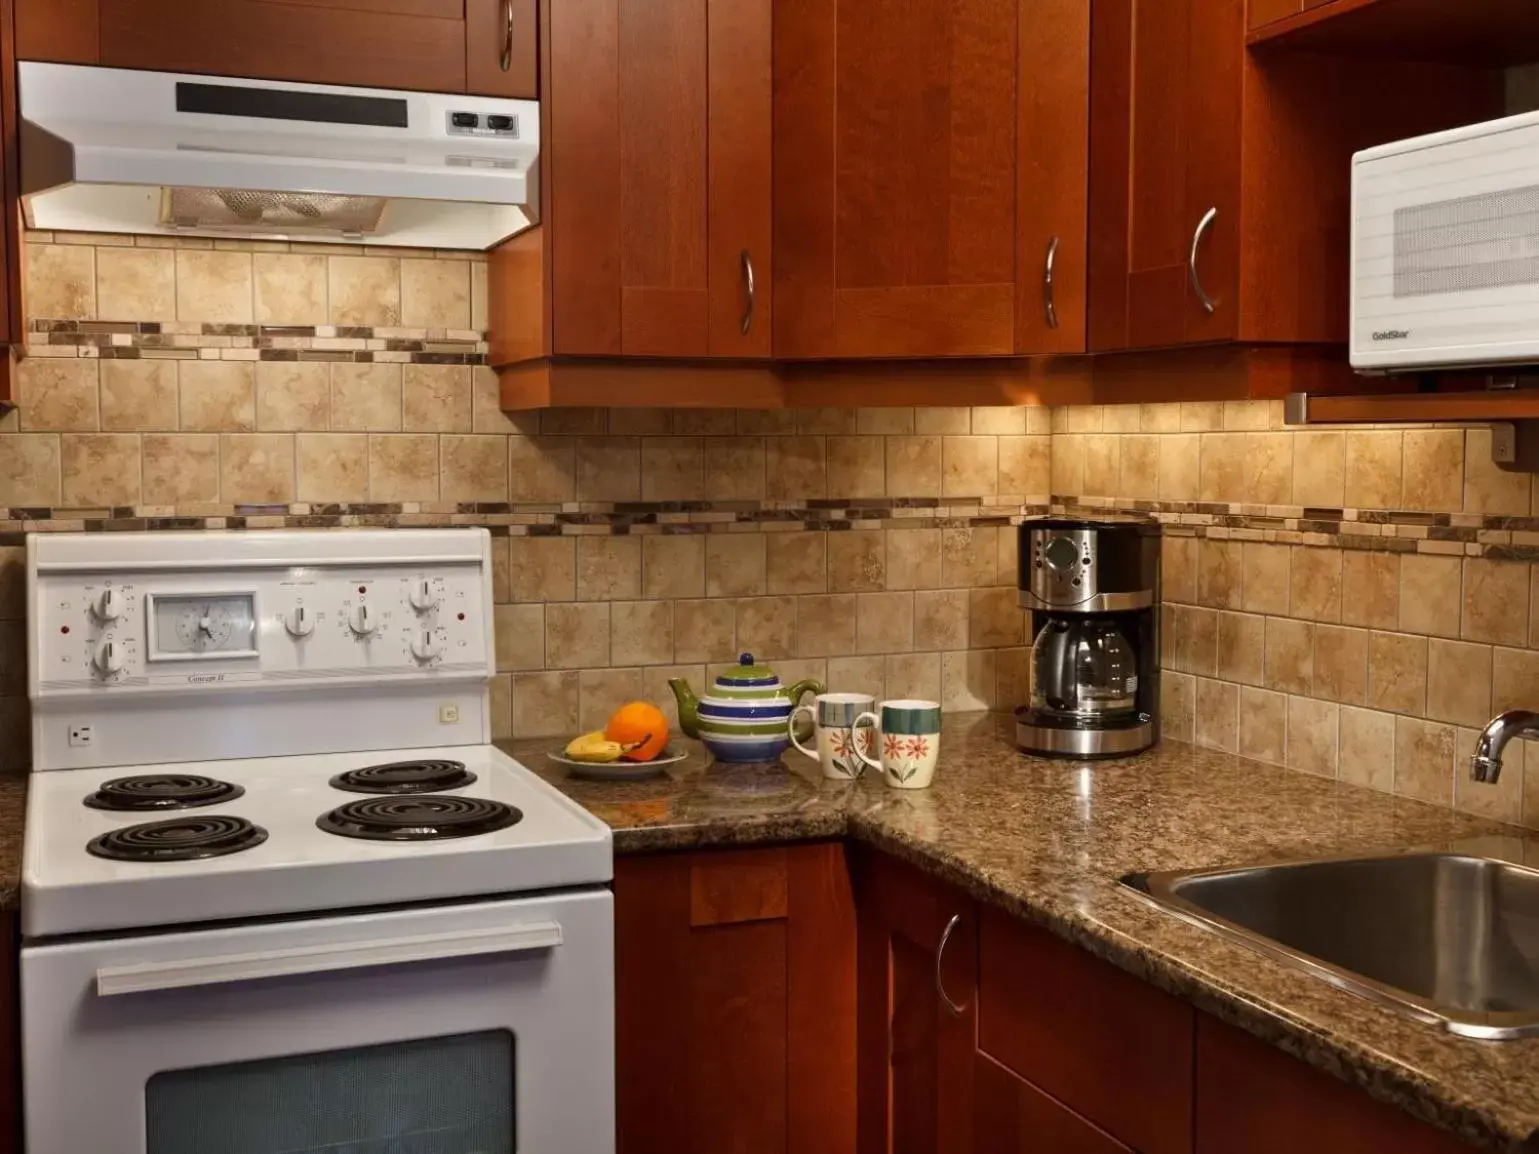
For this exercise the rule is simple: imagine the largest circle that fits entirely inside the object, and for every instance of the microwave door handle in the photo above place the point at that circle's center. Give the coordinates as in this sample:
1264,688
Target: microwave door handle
226,969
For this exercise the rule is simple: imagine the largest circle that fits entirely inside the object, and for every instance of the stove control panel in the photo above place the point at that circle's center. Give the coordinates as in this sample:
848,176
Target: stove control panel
170,625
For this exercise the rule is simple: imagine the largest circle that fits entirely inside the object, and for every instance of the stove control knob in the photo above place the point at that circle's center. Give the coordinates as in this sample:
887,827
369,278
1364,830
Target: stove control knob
422,596
300,622
108,658
425,647
362,622
109,606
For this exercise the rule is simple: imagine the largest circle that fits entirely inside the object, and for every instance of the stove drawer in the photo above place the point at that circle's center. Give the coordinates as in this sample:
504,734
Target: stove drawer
485,1026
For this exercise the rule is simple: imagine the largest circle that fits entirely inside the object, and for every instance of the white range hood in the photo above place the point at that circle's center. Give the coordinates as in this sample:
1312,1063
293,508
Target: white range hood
113,150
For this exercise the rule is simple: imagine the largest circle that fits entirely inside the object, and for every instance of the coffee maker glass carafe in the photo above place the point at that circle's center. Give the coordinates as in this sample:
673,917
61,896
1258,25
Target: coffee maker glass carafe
1083,667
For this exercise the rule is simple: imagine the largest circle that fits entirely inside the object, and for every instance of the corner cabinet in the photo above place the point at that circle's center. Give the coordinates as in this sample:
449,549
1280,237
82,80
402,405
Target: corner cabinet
917,1011
926,156
735,994
486,47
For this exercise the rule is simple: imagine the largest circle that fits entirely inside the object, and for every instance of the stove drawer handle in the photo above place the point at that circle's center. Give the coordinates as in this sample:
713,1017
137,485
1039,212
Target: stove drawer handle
230,968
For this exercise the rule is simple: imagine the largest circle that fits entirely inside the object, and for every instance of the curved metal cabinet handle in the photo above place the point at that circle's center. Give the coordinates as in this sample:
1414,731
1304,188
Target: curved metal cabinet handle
507,36
1047,283
1207,302
751,290
952,1008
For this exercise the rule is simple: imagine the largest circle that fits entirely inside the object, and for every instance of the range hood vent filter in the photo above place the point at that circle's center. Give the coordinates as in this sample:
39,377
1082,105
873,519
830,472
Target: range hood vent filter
288,213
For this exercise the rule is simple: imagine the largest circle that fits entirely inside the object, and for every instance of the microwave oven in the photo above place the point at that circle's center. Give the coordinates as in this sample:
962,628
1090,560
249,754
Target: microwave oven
1445,249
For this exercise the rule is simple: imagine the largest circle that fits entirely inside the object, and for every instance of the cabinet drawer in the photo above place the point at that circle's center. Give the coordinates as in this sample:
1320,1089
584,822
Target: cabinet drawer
1110,1047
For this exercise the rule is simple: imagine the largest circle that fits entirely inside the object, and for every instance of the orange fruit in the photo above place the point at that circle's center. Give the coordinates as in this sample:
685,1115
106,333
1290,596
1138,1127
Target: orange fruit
641,724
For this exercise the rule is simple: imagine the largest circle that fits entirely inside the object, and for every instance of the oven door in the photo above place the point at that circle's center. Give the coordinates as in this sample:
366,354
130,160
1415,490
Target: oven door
482,1028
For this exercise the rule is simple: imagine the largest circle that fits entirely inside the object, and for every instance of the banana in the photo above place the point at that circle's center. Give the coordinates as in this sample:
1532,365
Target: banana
594,747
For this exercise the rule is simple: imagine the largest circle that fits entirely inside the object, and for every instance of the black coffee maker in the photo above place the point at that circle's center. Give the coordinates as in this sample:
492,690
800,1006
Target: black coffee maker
1093,588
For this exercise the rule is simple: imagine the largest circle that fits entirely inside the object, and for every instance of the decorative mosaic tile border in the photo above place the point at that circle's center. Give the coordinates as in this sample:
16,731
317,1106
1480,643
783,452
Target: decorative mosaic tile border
1499,538
183,340
505,519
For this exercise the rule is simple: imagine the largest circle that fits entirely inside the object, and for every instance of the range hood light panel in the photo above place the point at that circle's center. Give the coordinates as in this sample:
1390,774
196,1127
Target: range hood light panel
247,211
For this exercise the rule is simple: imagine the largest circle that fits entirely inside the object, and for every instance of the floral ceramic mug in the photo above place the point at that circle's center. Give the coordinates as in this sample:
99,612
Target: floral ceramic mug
836,717
910,742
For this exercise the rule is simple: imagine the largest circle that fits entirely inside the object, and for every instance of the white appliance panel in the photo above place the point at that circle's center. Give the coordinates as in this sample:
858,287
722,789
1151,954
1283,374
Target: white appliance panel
1445,249
404,639
100,146
300,867
102,1018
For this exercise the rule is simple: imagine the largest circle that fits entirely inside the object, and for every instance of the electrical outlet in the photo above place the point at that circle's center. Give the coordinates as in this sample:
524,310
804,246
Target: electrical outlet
82,735
448,715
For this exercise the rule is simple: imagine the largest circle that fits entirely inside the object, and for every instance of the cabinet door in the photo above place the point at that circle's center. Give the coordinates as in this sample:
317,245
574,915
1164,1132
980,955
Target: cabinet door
501,46
1011,1116
391,44
1053,121
1165,172
916,1048
1255,1098
895,177
735,990
659,136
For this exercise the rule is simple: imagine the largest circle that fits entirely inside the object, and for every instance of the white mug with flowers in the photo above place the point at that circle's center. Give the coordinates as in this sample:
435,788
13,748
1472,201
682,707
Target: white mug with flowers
910,742
839,740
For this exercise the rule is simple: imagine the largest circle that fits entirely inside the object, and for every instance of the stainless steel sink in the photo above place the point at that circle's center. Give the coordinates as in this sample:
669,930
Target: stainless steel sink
1448,936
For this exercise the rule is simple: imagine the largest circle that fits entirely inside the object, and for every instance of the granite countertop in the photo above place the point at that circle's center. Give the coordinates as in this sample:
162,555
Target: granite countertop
13,817
1048,840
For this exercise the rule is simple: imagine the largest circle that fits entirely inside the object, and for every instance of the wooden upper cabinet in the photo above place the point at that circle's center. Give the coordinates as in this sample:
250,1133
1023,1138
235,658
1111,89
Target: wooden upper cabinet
1053,127
502,42
895,178
431,45
659,214
1165,172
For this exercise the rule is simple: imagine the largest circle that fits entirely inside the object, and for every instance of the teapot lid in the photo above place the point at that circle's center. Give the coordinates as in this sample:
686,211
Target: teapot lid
748,672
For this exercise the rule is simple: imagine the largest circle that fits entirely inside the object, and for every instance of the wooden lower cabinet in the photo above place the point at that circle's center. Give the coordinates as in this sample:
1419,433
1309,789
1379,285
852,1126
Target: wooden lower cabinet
917,1023
1252,1097
1011,1116
780,1001
735,991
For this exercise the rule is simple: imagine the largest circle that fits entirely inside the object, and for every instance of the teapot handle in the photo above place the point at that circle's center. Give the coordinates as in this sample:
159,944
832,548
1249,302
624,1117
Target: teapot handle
810,685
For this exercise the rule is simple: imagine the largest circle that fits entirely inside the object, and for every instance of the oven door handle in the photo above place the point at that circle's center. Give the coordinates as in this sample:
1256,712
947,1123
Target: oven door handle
224,969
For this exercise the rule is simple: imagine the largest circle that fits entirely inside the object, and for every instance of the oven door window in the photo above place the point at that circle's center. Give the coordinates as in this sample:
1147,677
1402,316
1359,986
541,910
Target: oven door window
449,1095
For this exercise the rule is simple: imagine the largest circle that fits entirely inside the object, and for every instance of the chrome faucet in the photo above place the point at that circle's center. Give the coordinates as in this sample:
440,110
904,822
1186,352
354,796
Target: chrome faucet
1486,764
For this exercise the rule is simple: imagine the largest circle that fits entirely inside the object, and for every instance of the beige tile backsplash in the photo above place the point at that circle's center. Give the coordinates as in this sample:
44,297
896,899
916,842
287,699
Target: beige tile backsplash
1322,651
1281,645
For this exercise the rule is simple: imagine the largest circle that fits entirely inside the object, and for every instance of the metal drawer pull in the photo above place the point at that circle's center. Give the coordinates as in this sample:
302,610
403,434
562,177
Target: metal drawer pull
1208,304
952,1008
750,286
229,968
507,36
1047,283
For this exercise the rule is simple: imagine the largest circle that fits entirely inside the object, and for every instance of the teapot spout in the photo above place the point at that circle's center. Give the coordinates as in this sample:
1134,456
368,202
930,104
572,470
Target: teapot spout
689,706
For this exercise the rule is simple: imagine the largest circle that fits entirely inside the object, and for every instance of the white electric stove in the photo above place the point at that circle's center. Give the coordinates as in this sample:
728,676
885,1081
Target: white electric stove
279,891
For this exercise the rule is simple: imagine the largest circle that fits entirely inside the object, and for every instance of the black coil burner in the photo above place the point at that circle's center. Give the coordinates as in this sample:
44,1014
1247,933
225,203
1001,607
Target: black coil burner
152,791
179,839
419,817
405,777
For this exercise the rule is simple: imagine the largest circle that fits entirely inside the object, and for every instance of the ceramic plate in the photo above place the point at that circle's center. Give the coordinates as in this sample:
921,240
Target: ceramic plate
621,770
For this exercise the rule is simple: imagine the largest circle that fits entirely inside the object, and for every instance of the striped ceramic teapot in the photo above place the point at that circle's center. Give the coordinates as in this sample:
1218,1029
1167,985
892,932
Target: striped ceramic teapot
744,718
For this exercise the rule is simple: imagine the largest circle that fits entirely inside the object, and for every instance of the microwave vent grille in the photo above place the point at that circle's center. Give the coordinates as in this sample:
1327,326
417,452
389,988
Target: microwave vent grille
1490,240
